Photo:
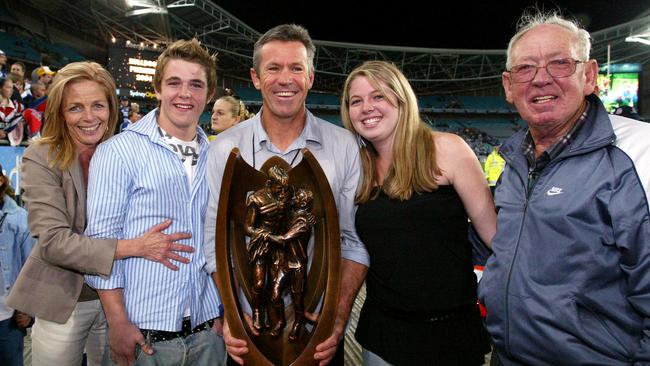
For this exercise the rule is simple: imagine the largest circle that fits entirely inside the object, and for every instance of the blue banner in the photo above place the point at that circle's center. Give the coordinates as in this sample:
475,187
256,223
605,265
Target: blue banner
11,158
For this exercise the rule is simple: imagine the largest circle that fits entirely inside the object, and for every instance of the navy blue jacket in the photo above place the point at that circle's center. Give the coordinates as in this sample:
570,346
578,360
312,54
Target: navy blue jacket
569,280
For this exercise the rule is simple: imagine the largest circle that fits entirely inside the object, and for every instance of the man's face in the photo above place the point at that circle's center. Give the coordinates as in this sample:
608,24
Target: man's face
17,69
38,91
46,79
3,60
284,78
183,95
546,102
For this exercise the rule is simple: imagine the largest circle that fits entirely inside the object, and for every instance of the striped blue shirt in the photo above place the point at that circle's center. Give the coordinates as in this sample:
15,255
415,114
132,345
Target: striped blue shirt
137,181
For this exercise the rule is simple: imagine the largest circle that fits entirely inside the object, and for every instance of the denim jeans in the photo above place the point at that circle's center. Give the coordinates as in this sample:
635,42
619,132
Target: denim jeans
202,348
371,359
11,343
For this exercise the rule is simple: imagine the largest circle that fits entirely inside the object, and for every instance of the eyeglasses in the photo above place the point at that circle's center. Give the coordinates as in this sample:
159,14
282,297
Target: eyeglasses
561,68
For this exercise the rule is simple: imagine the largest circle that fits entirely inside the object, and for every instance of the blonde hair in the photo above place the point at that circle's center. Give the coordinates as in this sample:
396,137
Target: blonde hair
237,107
190,51
414,167
56,132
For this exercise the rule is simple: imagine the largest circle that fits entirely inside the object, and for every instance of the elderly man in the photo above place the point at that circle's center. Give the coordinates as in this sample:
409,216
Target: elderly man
568,283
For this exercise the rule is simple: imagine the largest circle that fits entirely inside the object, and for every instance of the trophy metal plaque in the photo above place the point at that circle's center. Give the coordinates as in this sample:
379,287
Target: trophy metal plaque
264,223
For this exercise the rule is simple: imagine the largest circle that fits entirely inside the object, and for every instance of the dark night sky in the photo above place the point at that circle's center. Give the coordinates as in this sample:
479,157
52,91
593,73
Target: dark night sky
423,23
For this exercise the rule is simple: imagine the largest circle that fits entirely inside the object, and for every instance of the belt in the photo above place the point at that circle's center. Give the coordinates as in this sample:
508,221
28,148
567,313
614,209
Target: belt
161,335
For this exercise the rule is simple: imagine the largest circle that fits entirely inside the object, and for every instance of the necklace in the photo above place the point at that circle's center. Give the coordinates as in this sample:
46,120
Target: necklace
253,148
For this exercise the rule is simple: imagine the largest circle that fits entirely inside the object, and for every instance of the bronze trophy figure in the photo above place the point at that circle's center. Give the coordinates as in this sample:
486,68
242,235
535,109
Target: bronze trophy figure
266,214
295,259
265,222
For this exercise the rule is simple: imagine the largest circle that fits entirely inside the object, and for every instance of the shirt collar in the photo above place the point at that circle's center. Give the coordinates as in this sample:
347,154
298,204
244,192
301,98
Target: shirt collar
148,125
528,144
9,205
311,134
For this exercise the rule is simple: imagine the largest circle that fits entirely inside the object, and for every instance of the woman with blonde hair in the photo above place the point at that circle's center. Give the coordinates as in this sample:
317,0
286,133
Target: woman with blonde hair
81,112
419,187
227,112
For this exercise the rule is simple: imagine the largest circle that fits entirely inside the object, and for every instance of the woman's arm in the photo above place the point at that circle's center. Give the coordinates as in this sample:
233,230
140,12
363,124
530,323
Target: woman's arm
461,168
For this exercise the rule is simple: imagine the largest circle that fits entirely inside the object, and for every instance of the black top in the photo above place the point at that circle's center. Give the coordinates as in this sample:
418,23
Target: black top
420,256
420,269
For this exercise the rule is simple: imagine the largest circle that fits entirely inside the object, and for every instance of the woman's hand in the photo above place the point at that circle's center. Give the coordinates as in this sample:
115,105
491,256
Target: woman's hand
156,246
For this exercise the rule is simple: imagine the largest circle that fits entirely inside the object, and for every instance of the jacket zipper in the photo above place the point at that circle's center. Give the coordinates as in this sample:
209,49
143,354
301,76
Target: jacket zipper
533,177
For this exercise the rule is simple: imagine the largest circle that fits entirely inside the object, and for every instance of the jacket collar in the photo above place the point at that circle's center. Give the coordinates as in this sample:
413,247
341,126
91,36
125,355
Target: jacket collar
77,175
596,132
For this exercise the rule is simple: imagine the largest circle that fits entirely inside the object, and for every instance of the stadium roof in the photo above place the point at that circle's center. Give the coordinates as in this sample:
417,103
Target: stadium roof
430,70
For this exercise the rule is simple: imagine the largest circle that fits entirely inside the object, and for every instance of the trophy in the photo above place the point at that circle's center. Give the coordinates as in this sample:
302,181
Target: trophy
278,255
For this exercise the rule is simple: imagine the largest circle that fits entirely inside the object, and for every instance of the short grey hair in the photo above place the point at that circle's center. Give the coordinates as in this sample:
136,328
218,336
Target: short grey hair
285,33
532,19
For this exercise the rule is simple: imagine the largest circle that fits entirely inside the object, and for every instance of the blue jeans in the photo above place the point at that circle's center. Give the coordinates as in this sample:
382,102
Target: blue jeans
11,343
372,359
202,348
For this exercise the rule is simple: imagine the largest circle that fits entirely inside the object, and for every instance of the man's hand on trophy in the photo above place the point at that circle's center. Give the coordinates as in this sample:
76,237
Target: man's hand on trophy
234,346
326,350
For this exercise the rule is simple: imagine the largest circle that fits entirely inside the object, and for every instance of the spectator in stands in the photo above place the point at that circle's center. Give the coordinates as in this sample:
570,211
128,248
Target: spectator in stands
3,64
15,244
227,112
45,75
18,68
11,114
135,107
283,70
38,97
34,122
133,115
19,87
69,317
35,105
493,168
156,168
419,187
568,282
125,107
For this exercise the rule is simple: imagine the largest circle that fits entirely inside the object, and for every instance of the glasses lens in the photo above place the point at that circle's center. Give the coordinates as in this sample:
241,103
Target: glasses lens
523,73
561,68
557,68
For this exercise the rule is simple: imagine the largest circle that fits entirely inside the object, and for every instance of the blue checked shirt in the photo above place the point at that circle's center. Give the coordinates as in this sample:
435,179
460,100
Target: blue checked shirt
137,181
